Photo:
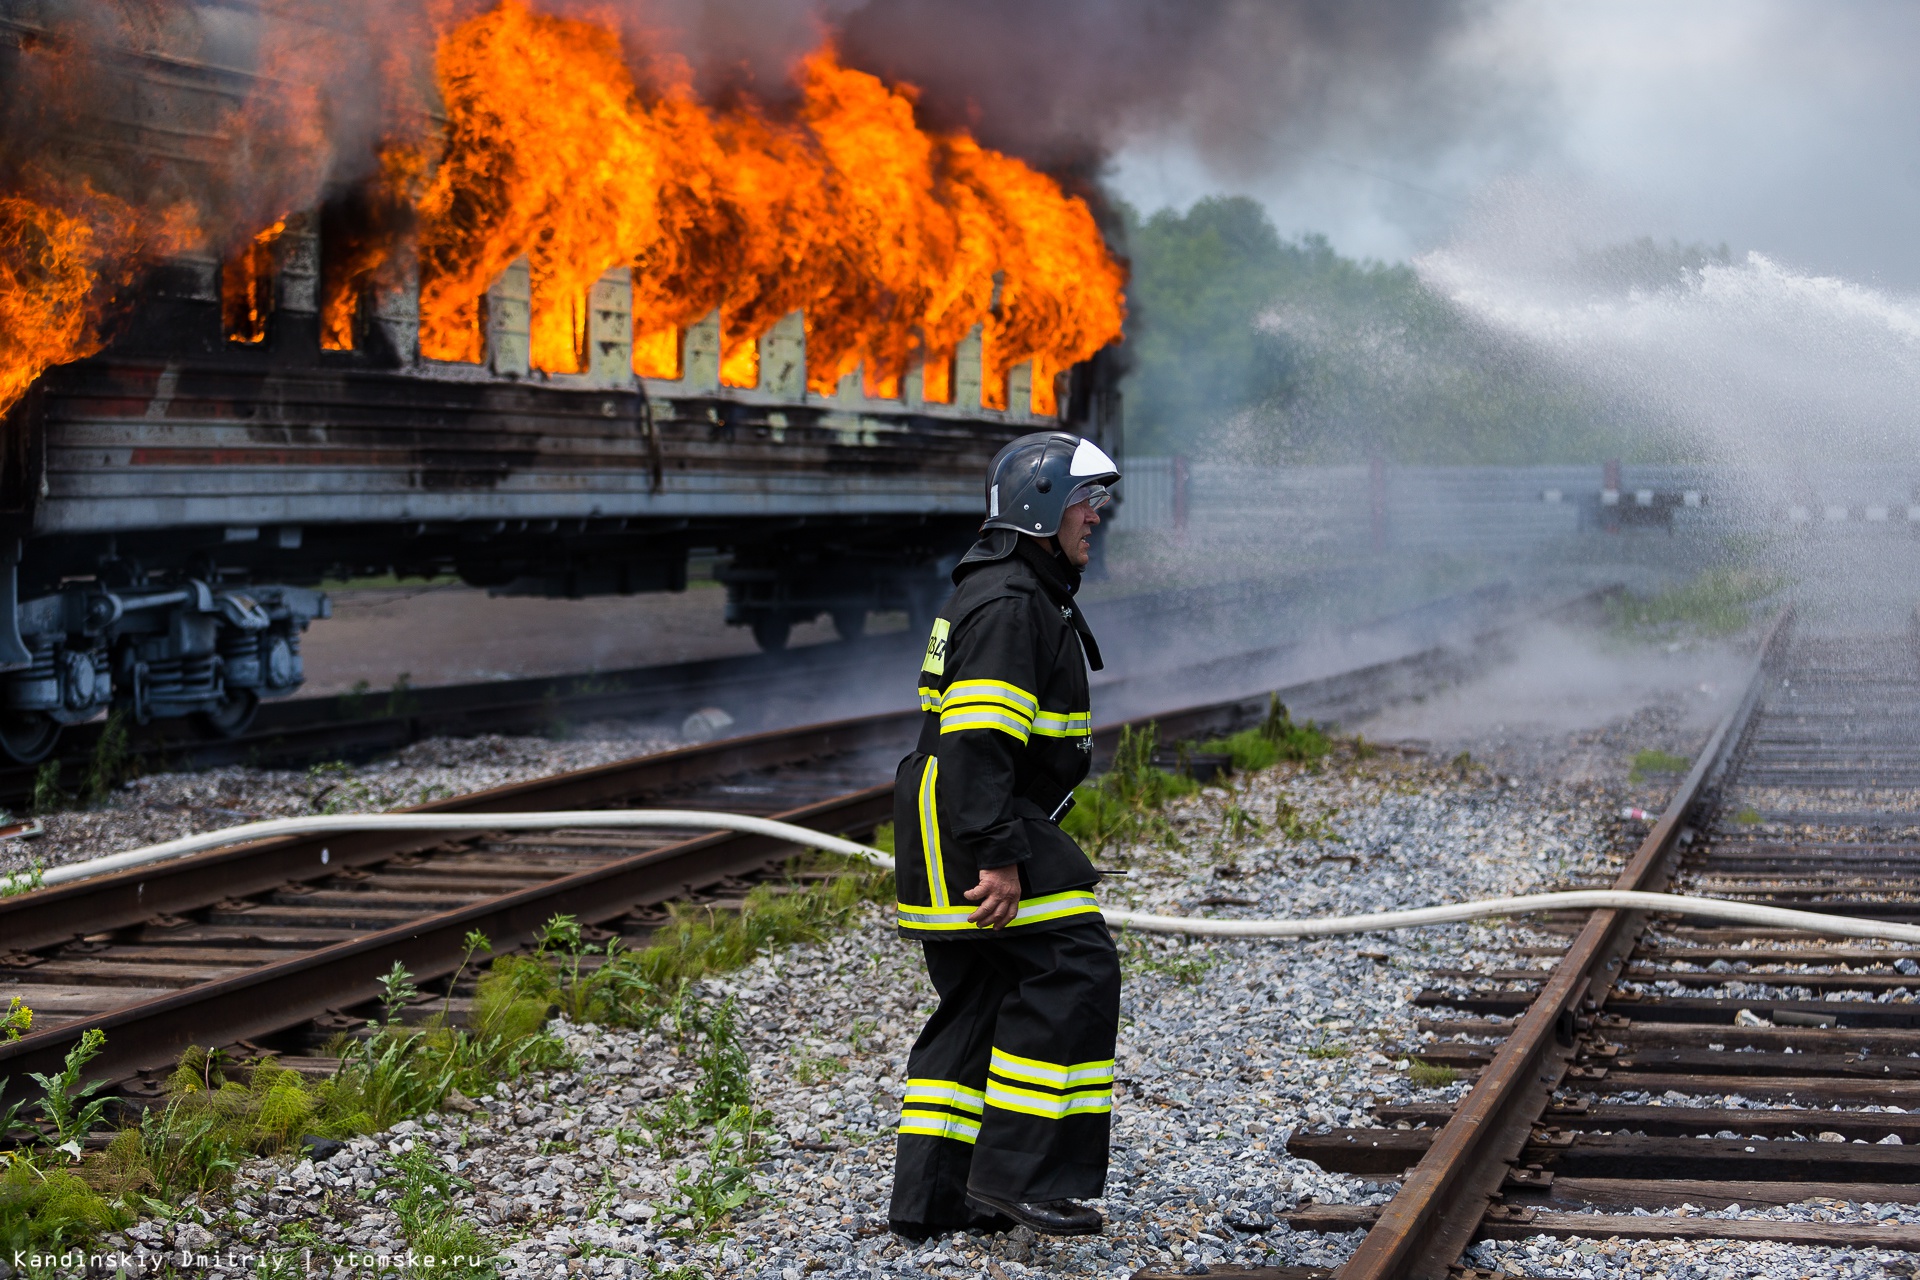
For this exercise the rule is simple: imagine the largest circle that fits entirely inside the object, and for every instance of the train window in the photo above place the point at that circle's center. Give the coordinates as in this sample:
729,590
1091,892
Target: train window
560,335
740,358
344,254
993,390
936,384
246,286
661,354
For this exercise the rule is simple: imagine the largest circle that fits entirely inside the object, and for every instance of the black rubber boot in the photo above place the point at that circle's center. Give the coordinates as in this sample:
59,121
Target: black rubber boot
1046,1217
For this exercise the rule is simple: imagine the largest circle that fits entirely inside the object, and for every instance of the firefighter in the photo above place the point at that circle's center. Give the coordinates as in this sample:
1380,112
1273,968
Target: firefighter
1010,1087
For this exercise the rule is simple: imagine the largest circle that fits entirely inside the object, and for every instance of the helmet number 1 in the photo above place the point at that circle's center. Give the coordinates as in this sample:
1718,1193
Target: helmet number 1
937,648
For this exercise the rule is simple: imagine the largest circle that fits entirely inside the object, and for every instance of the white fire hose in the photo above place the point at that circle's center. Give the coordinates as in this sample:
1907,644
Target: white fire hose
700,820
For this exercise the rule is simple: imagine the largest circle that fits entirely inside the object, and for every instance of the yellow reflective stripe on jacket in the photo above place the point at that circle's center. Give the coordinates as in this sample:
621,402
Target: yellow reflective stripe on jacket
1060,1075
1011,696
945,1093
1053,906
930,832
959,719
938,1124
1054,724
929,699
1049,1106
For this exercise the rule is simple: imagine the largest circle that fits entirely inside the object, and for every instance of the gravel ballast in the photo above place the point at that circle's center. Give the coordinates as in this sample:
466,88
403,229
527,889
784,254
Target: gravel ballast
1226,1047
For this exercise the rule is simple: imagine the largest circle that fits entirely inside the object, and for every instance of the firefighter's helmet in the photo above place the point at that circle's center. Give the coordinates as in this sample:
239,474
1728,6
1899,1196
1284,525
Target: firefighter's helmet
1036,478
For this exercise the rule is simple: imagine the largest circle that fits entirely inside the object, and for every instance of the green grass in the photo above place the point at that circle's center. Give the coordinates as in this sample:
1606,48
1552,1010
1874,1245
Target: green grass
1294,825
44,1206
1122,806
1428,1075
637,988
1273,741
1748,816
1718,602
1180,962
445,1244
218,1113
1653,761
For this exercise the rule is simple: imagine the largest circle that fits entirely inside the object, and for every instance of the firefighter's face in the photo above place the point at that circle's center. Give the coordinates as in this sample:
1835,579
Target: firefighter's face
1076,532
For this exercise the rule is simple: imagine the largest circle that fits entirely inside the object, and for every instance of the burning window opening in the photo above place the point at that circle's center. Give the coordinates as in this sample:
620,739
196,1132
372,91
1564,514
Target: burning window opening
878,386
740,358
661,354
936,379
246,286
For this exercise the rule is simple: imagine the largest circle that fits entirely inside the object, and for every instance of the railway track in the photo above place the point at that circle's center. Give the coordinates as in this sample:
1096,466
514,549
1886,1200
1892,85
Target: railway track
761,690
1650,1063
271,946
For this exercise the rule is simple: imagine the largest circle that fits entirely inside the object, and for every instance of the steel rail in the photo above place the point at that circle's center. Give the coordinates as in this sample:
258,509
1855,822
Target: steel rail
155,1033
151,1035
1423,1230
300,731
54,915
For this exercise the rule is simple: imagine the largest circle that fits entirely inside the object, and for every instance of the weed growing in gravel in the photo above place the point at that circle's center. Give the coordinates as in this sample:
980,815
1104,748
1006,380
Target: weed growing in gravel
721,1100
447,1245
109,764
1748,816
46,1208
725,1180
1430,1075
1277,738
1141,954
32,877
335,789
614,985
401,700
352,704
1719,602
68,1104
1123,805
1294,825
17,1022
808,1069
1654,761
47,795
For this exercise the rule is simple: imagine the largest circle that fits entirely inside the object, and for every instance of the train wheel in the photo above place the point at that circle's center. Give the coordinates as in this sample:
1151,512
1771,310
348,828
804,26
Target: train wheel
27,737
231,718
770,632
850,624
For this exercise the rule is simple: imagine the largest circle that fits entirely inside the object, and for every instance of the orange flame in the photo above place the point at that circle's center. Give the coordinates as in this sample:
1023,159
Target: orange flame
893,240
61,259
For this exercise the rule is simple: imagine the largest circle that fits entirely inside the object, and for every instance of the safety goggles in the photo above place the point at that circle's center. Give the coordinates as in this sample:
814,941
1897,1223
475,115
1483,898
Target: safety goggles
1096,496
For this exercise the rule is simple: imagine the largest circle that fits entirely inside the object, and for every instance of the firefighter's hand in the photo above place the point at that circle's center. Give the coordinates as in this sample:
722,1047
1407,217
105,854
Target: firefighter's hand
998,894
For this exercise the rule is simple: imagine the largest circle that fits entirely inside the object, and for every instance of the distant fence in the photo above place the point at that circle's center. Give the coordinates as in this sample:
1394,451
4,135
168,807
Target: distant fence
1503,510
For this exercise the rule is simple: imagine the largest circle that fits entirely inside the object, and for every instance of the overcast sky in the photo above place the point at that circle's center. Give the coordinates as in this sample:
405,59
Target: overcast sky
1791,128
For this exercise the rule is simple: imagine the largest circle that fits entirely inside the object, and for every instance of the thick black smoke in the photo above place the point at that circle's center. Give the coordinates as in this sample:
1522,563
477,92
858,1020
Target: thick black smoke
1250,83
1246,81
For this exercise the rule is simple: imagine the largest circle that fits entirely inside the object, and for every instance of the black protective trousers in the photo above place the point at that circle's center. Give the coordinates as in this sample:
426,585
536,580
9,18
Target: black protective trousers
1010,1086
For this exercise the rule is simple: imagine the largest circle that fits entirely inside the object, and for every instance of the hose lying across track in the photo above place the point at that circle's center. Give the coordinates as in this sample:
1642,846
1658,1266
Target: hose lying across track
701,820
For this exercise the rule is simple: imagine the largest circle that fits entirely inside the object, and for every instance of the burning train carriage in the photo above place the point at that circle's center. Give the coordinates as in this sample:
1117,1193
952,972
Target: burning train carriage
172,500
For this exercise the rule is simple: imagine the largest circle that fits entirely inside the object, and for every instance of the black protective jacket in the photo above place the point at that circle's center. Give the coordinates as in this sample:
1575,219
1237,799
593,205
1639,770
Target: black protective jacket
1007,736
